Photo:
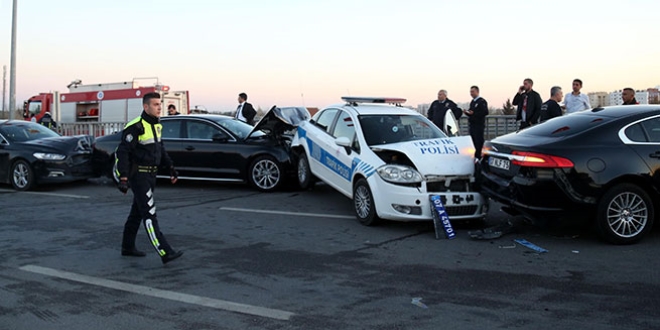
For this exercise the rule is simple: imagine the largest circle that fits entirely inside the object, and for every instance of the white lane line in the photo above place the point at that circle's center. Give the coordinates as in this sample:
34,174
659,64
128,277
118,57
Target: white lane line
46,194
164,294
318,215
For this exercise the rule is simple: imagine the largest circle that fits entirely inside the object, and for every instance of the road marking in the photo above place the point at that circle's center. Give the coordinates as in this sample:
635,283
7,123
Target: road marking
164,294
44,193
302,214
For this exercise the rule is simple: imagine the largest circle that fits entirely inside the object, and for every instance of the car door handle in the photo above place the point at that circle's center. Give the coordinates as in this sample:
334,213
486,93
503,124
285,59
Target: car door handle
655,154
190,148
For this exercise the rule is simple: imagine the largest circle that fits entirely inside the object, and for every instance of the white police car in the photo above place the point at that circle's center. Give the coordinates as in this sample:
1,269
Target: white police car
390,160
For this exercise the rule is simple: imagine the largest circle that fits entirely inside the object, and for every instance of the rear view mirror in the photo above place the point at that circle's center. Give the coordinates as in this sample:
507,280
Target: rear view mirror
451,125
345,142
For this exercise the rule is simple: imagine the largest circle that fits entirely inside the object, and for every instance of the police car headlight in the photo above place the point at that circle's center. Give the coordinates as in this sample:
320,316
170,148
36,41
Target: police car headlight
45,156
399,174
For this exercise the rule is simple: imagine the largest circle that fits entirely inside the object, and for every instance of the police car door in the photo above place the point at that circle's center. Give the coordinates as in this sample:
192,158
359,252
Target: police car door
323,148
345,148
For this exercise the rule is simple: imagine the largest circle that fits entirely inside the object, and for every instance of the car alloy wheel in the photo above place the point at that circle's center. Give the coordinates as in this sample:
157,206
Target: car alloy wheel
22,175
265,173
625,214
363,200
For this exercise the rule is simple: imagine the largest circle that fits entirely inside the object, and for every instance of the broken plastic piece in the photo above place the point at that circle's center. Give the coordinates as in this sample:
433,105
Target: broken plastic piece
493,232
417,301
530,245
512,246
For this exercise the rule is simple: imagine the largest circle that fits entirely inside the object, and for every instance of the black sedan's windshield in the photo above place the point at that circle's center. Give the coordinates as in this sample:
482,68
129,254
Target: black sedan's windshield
238,127
17,131
384,129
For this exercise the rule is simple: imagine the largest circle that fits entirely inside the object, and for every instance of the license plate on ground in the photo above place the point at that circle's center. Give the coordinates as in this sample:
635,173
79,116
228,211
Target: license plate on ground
499,163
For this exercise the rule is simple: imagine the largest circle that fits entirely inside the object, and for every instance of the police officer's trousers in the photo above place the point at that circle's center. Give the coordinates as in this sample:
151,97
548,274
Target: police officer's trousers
144,210
477,134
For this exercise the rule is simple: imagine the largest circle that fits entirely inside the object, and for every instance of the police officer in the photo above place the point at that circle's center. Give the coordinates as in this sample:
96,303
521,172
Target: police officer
139,155
477,120
438,110
47,120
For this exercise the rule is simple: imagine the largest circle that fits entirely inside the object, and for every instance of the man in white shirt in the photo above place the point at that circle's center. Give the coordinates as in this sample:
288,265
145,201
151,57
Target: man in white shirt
576,101
245,112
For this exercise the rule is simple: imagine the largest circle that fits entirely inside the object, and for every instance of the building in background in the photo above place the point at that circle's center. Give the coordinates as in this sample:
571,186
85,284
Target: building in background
642,96
423,108
654,95
599,99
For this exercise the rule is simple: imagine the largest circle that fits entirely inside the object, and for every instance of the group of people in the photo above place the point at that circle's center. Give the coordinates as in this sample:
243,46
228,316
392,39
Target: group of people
531,110
476,113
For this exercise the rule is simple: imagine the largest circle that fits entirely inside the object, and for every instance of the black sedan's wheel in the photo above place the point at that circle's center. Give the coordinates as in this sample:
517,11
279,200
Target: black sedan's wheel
265,173
625,214
363,200
22,175
305,180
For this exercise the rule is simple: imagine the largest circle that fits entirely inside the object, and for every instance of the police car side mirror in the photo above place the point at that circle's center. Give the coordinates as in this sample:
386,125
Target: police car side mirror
345,142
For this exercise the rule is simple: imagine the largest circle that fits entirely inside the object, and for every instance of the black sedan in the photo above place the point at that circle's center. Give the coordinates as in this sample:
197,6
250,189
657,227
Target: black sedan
222,148
600,165
32,154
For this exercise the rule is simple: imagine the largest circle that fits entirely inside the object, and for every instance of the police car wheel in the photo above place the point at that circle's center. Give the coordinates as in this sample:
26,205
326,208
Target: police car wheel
625,214
363,201
305,180
265,173
22,175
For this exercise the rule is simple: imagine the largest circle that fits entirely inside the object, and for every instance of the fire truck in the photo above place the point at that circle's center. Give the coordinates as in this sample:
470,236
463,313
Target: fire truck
102,103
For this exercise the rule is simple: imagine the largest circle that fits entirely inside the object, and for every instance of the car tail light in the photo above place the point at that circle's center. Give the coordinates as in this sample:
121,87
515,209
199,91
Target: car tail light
531,159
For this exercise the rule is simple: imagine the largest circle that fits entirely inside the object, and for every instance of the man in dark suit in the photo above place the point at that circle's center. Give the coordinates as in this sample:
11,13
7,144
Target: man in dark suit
529,104
438,110
245,112
477,120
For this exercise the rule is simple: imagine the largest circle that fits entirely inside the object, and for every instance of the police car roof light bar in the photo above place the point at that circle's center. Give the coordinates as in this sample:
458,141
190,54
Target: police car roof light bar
354,100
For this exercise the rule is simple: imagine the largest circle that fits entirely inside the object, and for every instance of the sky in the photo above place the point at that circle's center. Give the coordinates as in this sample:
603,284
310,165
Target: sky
310,53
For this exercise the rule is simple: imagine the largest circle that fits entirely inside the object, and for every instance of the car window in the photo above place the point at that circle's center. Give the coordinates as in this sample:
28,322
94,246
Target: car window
20,131
200,130
652,128
566,125
345,126
326,119
171,129
636,133
239,128
384,129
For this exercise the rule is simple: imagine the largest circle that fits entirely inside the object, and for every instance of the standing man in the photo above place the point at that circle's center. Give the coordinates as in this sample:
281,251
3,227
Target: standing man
439,108
245,112
577,101
477,120
47,120
529,104
171,110
551,109
628,96
139,155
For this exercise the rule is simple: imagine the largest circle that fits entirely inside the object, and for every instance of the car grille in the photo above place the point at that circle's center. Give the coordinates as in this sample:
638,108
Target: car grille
456,185
461,210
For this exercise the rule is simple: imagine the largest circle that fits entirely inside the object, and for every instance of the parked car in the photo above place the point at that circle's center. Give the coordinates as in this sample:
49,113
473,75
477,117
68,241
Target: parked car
598,164
389,160
222,148
32,154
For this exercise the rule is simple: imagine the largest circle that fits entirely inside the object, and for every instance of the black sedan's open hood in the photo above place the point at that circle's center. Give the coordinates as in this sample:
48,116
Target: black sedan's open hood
279,120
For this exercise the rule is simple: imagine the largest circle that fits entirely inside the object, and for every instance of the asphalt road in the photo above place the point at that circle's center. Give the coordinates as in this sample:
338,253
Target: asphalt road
261,261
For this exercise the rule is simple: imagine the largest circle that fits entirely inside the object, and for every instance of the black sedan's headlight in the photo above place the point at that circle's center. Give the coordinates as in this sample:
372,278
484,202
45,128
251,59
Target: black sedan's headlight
48,156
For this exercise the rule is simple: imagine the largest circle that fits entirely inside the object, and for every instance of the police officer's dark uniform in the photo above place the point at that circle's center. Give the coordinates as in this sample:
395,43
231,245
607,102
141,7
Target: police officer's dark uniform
438,110
477,121
139,156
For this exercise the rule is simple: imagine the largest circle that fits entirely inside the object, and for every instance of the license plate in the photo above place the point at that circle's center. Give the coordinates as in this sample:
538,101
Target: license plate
499,163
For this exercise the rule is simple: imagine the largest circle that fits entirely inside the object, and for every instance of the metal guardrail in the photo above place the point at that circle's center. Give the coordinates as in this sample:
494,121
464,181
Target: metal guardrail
496,125
91,128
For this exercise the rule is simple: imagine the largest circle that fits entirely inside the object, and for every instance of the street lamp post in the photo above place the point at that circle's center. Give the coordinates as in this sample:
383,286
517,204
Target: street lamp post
12,65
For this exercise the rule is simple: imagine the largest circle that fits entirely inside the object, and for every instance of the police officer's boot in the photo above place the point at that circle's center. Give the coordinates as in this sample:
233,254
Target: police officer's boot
128,246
